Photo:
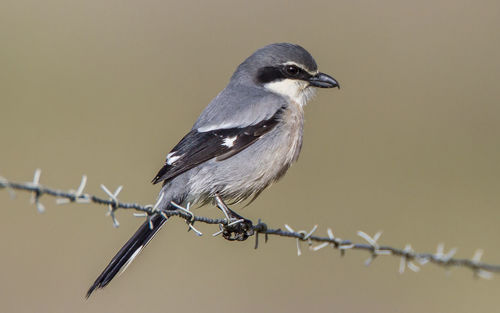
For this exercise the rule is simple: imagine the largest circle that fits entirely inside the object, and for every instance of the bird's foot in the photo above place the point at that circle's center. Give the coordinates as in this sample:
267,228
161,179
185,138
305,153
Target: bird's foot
238,228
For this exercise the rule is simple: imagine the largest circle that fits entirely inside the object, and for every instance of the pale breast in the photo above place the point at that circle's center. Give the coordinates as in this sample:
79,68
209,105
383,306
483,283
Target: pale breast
253,169
293,125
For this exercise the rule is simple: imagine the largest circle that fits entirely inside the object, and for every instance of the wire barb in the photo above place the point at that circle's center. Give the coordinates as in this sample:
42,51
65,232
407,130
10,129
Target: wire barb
35,195
326,244
304,236
113,206
79,196
407,262
189,221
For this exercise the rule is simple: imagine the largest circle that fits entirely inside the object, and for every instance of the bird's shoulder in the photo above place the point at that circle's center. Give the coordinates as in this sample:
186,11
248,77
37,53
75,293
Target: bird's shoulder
239,105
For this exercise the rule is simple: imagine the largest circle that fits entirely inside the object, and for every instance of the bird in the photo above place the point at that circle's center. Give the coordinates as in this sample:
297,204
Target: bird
243,141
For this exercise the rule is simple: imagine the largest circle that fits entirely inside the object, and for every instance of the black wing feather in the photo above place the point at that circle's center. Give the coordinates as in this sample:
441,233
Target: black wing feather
197,147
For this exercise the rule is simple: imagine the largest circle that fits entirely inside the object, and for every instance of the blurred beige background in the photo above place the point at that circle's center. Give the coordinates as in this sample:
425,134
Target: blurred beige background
409,145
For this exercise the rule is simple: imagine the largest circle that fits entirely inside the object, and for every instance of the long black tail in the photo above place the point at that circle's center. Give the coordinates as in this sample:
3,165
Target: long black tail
129,251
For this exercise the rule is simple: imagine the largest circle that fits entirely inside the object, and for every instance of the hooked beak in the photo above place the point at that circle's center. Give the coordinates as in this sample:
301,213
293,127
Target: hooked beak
322,80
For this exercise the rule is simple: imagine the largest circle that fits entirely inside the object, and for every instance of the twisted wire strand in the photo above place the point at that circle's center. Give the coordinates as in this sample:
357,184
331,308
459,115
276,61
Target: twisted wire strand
408,257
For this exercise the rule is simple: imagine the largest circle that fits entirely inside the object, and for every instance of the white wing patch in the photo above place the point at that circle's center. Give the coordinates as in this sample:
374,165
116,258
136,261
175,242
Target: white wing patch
171,158
229,141
208,128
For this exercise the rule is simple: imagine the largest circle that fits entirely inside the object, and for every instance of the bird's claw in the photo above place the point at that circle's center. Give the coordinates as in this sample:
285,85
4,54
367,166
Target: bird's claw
238,230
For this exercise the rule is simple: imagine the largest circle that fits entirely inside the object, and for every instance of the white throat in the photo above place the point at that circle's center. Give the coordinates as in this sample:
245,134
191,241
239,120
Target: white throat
297,90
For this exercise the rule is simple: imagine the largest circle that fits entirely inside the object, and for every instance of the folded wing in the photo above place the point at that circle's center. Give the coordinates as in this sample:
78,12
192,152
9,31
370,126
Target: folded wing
198,147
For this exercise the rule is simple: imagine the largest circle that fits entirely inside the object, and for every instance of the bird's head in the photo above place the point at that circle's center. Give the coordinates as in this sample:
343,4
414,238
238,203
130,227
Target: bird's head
286,69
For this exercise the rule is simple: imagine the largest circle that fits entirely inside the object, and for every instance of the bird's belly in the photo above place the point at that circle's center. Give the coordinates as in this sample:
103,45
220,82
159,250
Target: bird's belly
253,169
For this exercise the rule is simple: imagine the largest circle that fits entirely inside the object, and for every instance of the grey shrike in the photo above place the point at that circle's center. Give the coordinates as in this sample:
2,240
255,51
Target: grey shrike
244,140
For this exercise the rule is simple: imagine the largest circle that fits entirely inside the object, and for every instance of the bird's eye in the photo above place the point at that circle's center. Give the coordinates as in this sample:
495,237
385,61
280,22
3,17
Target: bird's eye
292,70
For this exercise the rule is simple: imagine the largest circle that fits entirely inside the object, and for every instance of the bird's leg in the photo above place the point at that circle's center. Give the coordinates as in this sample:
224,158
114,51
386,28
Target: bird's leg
230,214
238,227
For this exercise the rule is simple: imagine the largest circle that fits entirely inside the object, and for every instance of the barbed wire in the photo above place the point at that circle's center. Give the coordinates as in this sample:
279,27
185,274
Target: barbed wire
408,257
